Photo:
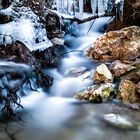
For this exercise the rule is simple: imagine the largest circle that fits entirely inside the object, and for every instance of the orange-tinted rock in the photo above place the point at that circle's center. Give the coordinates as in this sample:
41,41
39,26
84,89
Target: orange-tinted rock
117,45
127,92
119,68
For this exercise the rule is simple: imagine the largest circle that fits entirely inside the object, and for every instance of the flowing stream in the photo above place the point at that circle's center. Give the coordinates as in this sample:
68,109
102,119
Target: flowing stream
55,114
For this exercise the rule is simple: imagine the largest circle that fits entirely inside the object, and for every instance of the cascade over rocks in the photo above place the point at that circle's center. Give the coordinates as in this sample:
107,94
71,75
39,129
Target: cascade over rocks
18,52
121,45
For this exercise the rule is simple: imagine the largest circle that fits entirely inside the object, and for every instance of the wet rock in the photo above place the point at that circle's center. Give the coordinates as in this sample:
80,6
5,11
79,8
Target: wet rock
18,52
57,41
122,45
48,57
119,68
127,92
134,76
102,93
52,21
121,122
75,71
102,75
5,18
54,26
55,33
128,70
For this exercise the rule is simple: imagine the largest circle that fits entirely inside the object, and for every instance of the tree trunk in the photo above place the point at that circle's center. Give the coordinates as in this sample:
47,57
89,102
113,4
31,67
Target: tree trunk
131,16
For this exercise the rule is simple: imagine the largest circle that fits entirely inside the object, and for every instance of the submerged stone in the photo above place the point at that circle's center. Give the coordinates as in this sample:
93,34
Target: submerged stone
102,74
122,45
75,72
102,93
121,122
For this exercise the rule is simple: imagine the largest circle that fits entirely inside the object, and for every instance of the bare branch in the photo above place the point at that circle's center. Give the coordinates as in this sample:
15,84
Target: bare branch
80,21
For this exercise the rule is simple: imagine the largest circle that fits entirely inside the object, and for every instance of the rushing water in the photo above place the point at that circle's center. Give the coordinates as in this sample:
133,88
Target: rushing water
75,71
55,114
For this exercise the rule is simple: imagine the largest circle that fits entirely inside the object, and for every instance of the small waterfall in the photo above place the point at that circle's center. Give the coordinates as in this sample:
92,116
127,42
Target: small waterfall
75,71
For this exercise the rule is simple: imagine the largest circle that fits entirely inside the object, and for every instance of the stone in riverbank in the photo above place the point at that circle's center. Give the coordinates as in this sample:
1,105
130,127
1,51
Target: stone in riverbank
102,75
122,45
127,92
97,94
119,68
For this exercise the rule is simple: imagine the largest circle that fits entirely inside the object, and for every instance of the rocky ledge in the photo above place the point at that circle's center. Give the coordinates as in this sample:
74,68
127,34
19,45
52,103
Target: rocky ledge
121,45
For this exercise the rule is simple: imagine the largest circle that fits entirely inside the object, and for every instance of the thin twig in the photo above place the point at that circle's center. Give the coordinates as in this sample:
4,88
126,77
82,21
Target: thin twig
91,26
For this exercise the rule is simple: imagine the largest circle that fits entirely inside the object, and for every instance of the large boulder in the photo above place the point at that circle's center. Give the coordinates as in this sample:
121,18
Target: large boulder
121,45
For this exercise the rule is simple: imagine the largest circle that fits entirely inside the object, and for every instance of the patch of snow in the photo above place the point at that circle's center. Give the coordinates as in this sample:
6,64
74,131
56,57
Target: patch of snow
25,27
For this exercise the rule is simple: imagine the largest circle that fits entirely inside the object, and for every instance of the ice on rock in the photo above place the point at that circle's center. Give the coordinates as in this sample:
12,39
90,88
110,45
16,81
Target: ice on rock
25,27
